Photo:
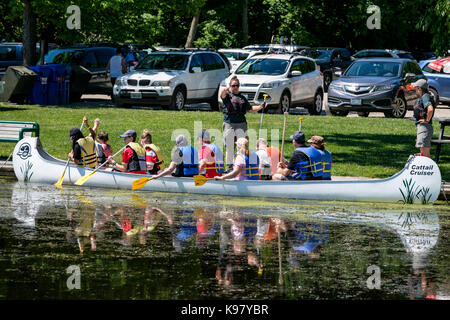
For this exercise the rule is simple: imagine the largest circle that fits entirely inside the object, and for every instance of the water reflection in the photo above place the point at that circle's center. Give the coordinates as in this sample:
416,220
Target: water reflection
191,248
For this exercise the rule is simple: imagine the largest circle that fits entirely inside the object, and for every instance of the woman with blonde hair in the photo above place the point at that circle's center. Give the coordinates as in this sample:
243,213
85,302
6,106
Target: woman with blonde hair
245,163
153,155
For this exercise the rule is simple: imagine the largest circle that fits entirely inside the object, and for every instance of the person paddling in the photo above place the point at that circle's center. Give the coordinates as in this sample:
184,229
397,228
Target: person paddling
210,156
153,155
133,157
84,152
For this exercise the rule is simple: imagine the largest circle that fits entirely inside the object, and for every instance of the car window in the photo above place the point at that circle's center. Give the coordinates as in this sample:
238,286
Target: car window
317,54
219,64
373,69
345,54
299,65
64,56
263,66
164,61
197,62
212,62
7,53
90,60
310,66
243,56
426,68
103,57
232,56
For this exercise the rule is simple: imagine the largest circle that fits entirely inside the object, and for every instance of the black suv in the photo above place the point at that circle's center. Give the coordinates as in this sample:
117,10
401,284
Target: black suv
331,61
93,58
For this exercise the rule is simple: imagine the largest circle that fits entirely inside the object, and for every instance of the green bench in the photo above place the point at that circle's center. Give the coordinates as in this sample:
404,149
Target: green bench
14,131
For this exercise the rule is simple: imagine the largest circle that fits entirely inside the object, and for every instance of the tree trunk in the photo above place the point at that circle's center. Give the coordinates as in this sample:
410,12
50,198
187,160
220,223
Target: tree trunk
29,34
193,30
245,22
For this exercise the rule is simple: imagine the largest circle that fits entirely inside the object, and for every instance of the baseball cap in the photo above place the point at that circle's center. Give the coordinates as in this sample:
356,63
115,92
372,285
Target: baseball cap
318,140
298,136
421,83
204,135
75,132
129,133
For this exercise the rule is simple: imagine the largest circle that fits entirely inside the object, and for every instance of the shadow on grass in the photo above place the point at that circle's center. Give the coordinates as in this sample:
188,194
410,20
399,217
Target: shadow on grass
3,108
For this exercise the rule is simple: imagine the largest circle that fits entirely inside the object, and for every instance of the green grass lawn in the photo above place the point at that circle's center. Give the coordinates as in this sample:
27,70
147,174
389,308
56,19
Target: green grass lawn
370,147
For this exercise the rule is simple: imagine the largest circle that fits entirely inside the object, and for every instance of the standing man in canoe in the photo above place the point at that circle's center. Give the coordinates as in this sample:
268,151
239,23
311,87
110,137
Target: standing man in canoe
235,106
305,163
84,152
184,160
133,158
210,156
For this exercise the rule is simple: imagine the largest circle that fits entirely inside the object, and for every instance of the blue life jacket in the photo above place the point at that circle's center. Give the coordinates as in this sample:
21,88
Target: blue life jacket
313,165
326,161
190,160
251,166
220,168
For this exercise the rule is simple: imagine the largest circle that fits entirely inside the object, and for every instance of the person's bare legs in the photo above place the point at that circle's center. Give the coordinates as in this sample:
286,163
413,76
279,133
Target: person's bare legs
425,151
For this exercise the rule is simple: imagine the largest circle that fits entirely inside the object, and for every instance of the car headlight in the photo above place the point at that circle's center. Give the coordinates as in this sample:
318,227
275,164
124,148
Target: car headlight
161,83
384,87
270,85
336,87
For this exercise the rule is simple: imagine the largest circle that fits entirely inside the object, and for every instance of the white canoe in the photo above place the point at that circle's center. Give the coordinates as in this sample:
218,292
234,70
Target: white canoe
418,182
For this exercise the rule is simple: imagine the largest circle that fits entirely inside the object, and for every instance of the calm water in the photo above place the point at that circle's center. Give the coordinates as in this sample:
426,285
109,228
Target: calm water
159,246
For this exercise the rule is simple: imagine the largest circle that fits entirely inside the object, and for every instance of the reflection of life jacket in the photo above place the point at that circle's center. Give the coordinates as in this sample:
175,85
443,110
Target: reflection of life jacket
190,160
217,167
137,161
251,171
275,157
313,165
88,152
326,161
159,165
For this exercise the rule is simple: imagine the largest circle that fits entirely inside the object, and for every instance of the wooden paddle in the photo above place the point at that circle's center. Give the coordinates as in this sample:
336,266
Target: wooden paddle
58,183
86,177
139,183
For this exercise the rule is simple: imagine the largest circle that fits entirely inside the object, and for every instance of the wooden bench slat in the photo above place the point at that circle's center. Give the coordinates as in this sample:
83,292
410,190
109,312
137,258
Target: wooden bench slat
16,125
437,141
11,131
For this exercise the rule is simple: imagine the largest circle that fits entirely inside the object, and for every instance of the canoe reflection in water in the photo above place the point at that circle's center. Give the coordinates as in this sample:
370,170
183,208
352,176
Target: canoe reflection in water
227,248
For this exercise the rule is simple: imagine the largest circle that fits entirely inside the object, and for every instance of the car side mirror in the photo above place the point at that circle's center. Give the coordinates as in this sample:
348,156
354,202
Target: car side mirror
409,76
196,69
296,73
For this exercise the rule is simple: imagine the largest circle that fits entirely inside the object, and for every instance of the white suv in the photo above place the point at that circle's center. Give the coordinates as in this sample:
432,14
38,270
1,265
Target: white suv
289,80
173,78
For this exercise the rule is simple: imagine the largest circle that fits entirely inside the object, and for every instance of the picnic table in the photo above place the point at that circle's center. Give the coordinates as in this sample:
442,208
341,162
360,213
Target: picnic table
442,139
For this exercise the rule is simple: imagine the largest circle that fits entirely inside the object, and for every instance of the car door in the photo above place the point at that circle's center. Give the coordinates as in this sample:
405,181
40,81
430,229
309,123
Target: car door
220,72
194,77
444,82
210,75
298,84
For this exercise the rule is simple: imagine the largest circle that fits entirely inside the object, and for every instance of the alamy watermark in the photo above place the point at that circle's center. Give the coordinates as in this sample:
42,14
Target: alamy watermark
74,280
374,281
374,21
74,20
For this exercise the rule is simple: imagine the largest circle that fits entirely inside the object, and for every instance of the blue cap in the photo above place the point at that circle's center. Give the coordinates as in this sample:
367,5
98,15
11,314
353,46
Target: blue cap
298,136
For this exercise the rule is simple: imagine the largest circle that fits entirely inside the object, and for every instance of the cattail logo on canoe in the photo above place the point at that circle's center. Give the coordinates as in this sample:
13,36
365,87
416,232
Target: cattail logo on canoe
24,151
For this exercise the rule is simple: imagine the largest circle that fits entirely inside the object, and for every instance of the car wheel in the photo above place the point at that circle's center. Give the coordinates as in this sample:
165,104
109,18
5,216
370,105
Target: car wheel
435,95
339,113
316,108
399,108
363,114
178,99
285,103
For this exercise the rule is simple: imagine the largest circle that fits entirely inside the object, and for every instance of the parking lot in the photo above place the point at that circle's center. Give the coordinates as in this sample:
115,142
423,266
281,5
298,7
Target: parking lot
442,111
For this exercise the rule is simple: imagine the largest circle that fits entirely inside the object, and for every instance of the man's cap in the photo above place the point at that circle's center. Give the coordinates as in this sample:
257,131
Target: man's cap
318,140
75,133
421,83
298,136
129,133
204,135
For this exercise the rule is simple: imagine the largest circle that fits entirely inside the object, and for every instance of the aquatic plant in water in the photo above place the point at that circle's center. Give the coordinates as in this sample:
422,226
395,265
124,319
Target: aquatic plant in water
26,171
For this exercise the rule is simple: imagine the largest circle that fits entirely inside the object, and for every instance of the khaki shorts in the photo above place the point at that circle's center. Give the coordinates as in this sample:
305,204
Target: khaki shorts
424,135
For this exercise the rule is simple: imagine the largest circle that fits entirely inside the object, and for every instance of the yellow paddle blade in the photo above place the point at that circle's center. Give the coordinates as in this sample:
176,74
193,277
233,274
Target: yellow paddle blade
139,183
58,183
85,178
199,180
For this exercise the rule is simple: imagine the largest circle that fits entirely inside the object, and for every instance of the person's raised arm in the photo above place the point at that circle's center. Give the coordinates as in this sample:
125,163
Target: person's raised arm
224,92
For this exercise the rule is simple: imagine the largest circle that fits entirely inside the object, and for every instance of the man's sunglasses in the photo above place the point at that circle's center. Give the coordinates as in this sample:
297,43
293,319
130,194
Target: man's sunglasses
235,85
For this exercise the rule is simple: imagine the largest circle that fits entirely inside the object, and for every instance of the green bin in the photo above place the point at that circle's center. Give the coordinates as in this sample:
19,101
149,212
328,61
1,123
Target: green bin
19,80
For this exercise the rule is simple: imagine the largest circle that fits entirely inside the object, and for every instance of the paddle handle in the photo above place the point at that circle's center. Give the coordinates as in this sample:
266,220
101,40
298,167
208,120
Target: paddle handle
284,131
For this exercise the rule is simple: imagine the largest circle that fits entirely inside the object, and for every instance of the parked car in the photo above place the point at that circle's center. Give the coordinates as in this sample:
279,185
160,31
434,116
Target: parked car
375,84
237,56
173,78
423,55
92,58
289,80
11,54
382,53
438,80
275,48
331,61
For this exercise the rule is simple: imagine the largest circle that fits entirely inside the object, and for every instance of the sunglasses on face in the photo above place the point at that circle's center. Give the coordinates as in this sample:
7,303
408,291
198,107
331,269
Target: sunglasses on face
235,86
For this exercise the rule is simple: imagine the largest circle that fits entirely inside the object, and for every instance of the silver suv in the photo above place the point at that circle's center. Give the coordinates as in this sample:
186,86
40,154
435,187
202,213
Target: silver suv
173,78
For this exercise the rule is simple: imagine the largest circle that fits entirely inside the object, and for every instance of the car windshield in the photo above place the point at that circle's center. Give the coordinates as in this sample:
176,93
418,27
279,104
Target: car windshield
164,62
317,54
263,66
64,56
374,69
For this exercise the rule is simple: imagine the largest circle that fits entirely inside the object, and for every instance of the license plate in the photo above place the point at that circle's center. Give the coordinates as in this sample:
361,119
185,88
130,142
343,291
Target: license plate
356,102
136,95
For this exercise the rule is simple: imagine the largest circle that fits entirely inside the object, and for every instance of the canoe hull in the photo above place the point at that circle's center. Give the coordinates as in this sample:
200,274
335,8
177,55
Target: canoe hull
418,182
